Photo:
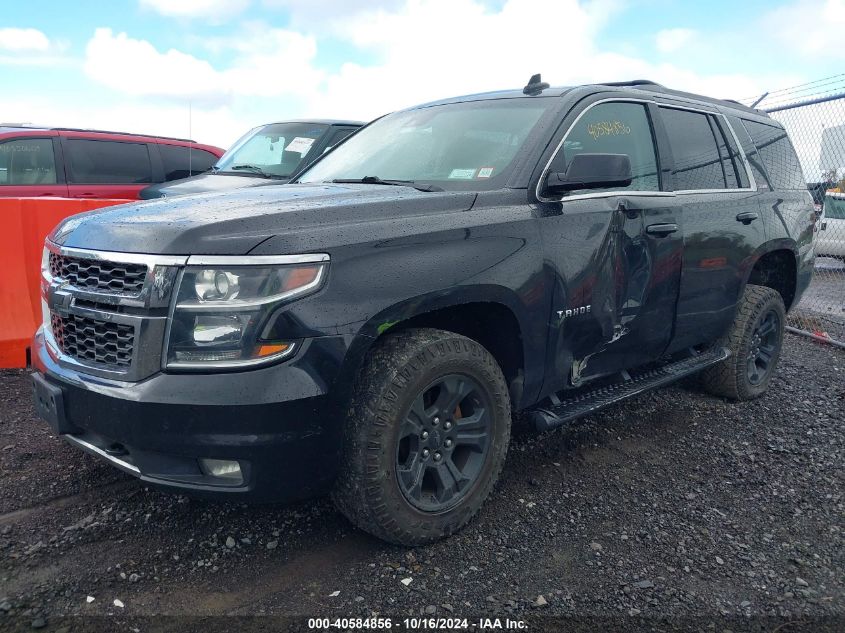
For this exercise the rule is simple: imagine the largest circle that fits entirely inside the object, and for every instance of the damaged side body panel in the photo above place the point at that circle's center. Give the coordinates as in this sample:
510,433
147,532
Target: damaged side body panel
629,281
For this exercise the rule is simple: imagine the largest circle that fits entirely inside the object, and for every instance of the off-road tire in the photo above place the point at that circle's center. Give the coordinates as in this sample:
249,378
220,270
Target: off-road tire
730,378
396,371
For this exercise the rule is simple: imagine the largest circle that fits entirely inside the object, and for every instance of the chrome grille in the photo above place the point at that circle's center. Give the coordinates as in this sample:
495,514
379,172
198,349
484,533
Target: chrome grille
94,341
98,275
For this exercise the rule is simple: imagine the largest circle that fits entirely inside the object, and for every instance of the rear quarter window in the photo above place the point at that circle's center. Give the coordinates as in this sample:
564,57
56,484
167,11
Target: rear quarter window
777,154
761,178
181,161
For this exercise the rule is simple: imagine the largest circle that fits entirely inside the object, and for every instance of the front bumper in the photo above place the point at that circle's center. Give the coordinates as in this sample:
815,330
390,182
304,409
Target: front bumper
279,422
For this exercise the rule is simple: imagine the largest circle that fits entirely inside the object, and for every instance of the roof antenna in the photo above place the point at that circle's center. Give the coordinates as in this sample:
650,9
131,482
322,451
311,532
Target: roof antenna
756,103
190,136
535,85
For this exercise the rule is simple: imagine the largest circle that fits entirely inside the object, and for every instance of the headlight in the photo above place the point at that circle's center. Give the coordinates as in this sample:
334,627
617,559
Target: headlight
221,312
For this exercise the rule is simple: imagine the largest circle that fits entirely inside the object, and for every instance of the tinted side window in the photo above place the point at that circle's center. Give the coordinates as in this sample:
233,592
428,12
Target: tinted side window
761,178
777,154
698,163
615,128
27,161
108,162
182,161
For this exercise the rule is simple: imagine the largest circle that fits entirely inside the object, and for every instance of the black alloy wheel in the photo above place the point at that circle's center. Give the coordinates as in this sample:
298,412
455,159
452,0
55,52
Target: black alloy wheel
426,436
755,340
765,342
444,441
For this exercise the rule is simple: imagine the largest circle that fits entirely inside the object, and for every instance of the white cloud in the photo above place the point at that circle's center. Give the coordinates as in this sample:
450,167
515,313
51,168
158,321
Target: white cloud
135,67
437,48
31,47
271,62
219,126
672,40
320,15
211,10
266,62
420,50
23,40
813,28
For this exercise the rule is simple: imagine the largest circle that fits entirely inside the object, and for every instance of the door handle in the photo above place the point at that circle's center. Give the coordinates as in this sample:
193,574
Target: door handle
661,230
746,217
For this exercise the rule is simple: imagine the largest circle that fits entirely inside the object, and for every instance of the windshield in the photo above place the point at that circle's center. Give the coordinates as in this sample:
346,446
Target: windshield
834,207
457,146
278,150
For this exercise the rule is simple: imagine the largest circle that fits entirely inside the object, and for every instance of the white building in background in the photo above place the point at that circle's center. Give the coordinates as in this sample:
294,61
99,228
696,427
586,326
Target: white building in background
833,149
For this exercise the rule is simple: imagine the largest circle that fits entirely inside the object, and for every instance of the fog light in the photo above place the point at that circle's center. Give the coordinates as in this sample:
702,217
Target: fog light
223,469
216,329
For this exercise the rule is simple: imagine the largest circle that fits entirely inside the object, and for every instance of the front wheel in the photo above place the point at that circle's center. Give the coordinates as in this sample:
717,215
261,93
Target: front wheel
426,436
755,340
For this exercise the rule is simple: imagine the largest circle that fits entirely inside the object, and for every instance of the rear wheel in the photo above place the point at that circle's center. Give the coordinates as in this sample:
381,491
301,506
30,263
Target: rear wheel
755,340
426,437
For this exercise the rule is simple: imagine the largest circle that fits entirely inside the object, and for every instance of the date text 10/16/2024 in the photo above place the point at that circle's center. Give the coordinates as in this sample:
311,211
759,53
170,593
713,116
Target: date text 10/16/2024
415,624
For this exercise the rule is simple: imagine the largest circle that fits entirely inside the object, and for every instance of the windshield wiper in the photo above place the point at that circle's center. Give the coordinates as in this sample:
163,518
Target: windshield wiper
375,180
253,168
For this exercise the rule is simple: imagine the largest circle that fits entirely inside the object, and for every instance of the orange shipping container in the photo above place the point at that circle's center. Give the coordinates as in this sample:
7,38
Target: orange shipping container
24,223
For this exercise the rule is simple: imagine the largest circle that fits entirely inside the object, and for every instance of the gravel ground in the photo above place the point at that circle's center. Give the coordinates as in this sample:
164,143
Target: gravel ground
675,509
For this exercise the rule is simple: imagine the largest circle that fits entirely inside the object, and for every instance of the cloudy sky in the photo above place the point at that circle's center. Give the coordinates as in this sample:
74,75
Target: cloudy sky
136,65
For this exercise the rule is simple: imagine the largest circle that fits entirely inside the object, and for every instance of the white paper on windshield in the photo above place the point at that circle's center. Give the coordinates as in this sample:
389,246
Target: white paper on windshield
462,174
300,144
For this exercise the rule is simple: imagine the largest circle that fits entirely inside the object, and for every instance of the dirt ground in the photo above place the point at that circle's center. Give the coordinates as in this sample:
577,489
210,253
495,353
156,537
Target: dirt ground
675,509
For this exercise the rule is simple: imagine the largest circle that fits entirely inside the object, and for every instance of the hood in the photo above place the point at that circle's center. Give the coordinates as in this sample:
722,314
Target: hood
235,222
206,183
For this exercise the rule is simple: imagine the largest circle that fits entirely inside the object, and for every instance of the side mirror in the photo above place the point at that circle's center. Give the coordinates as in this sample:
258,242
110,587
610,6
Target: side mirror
592,171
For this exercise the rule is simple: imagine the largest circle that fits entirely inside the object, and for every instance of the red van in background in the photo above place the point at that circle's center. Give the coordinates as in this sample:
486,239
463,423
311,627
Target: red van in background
74,163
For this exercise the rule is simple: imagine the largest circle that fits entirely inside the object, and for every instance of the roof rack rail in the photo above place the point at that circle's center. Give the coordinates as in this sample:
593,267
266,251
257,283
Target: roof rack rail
98,131
33,126
738,103
633,82
647,84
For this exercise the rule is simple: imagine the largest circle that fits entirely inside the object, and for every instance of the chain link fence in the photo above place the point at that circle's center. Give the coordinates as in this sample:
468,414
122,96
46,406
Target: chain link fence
814,117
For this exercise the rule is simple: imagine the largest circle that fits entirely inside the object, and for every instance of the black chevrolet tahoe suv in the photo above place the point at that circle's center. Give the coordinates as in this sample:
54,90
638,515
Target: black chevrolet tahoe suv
370,329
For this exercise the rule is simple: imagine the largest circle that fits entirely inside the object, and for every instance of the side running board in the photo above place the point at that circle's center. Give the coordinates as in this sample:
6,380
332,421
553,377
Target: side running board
558,412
